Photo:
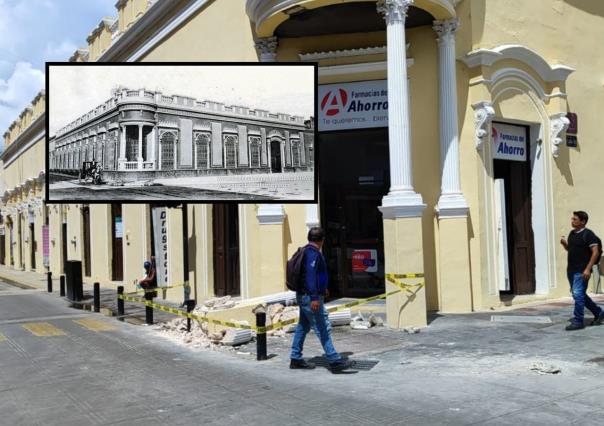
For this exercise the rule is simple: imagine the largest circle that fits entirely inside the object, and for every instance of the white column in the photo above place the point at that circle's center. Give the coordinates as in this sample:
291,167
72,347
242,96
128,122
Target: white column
153,137
268,49
122,158
269,213
175,158
451,201
140,147
402,200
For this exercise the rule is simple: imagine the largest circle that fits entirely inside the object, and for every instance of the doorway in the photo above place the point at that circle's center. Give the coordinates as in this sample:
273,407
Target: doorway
86,240
276,157
117,267
225,226
512,174
353,179
32,246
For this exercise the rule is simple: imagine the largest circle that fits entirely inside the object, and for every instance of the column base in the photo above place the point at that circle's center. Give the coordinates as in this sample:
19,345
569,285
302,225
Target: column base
454,281
403,253
271,214
452,205
402,204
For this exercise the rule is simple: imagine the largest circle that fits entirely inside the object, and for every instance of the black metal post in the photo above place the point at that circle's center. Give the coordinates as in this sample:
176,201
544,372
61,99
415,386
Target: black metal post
190,306
62,285
49,284
120,303
149,309
261,337
185,250
97,297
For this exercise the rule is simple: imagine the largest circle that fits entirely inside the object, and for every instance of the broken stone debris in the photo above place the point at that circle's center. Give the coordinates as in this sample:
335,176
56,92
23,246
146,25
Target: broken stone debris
199,337
543,368
360,323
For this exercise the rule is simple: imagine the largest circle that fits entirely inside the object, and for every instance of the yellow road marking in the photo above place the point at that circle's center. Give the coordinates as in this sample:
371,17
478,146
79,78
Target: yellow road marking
43,329
94,325
2,337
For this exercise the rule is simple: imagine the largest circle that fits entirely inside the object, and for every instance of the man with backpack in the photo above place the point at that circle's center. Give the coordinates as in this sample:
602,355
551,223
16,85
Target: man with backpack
307,274
584,251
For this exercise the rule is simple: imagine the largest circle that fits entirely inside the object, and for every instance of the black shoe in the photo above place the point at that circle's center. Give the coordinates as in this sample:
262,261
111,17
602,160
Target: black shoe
341,365
574,326
598,320
300,364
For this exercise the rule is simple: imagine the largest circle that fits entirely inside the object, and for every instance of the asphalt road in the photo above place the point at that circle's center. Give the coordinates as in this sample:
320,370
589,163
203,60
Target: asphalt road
60,366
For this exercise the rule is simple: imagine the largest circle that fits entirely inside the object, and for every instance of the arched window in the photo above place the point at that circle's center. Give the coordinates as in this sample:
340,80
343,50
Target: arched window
202,150
254,152
167,141
295,153
230,151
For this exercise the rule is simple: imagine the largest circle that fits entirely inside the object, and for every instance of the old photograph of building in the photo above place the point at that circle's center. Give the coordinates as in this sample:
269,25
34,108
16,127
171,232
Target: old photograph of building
151,132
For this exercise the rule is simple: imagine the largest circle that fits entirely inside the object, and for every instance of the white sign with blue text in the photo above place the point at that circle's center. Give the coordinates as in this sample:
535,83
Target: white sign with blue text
509,142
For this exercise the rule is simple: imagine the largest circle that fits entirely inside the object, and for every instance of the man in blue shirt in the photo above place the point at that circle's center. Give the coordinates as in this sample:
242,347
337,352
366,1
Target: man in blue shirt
312,310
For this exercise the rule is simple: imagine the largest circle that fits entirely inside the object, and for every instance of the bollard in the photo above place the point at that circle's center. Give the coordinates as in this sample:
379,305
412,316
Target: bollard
261,337
49,284
149,309
120,303
190,306
62,285
96,297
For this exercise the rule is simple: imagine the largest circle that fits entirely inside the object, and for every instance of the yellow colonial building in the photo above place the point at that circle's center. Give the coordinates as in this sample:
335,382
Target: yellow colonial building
455,138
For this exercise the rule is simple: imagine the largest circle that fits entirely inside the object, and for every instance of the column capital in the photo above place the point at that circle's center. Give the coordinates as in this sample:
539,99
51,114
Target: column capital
267,46
483,115
394,10
445,30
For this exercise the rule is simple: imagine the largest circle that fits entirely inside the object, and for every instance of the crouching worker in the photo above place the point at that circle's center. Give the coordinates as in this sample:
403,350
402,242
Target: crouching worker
150,281
312,311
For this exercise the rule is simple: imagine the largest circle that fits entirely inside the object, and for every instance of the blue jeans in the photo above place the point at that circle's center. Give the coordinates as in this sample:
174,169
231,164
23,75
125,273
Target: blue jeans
578,287
317,321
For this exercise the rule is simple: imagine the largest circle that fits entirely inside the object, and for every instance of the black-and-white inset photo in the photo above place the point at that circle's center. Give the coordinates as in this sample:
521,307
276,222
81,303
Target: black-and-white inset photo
180,132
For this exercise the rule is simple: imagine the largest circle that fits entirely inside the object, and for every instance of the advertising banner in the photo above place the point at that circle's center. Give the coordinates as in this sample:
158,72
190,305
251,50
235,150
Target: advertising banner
356,105
160,236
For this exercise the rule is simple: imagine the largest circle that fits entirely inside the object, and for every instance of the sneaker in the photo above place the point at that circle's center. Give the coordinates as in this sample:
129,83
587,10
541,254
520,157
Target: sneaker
574,326
343,364
598,320
300,364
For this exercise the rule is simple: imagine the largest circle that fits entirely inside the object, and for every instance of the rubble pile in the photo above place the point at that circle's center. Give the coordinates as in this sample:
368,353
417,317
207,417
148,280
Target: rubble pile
360,323
199,336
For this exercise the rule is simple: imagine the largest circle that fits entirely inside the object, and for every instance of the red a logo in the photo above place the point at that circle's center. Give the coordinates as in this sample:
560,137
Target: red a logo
332,102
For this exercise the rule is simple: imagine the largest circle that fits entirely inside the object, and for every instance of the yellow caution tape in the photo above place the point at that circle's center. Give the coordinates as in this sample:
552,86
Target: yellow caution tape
392,278
151,290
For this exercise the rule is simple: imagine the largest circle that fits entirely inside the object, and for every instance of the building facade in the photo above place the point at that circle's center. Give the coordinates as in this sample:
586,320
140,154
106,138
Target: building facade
470,180
145,133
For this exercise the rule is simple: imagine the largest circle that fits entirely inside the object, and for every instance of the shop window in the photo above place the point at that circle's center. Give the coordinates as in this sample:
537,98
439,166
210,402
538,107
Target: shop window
202,150
167,150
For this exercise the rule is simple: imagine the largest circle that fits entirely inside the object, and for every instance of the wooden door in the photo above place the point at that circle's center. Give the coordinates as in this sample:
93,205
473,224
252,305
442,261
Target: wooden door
86,240
32,246
117,268
2,249
64,245
225,226
523,246
275,157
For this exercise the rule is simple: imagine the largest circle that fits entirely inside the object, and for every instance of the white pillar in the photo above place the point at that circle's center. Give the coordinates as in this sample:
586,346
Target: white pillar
140,147
451,201
122,158
268,49
402,200
175,158
153,137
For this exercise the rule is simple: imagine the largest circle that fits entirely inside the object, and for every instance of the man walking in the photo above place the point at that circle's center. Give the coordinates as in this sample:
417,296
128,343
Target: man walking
583,251
312,310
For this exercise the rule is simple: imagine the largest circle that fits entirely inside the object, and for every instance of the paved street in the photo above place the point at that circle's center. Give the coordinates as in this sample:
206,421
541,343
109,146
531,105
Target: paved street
60,366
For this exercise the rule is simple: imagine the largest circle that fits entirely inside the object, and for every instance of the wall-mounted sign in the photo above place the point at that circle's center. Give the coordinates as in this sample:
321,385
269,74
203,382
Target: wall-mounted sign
119,228
573,125
353,105
509,142
571,141
364,261
45,245
160,236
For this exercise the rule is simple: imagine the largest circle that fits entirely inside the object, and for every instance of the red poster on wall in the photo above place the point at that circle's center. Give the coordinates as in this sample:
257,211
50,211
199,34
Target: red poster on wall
364,261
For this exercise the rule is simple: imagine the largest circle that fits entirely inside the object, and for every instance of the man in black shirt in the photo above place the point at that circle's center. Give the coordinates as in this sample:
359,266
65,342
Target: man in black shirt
583,250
